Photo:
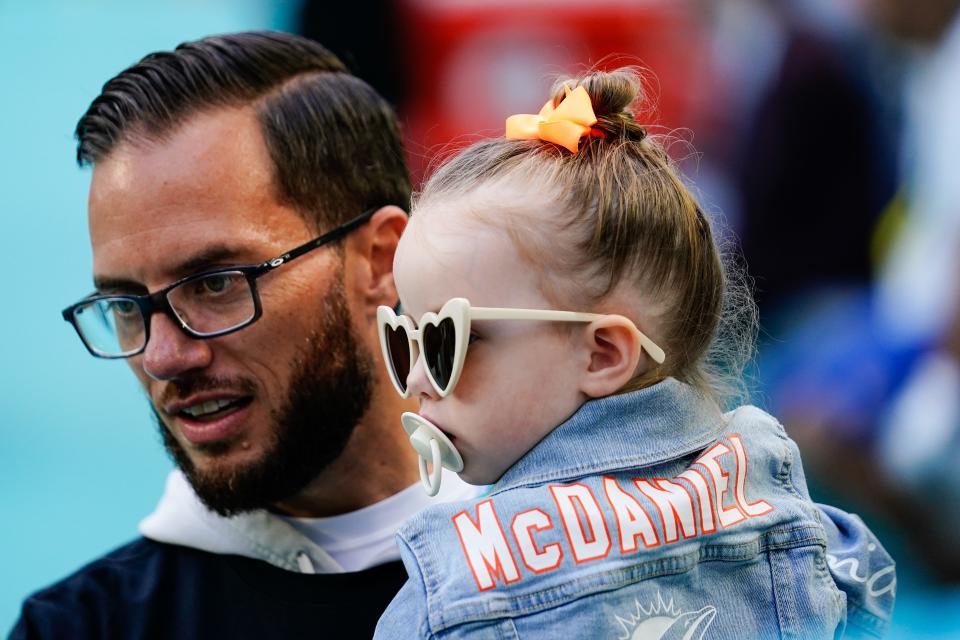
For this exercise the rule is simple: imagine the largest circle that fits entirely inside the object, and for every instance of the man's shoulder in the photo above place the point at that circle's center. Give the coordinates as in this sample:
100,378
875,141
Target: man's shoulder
81,602
149,589
113,570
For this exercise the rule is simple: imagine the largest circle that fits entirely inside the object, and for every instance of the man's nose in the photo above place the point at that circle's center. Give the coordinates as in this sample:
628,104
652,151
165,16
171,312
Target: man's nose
170,352
418,384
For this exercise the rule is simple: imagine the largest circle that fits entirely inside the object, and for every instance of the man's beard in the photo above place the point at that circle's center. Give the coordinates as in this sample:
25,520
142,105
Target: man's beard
330,389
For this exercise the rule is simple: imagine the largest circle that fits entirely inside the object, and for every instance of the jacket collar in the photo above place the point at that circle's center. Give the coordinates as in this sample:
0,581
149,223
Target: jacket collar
663,422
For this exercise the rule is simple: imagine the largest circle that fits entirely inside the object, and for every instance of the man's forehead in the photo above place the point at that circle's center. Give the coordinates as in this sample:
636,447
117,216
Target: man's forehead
211,157
157,204
156,260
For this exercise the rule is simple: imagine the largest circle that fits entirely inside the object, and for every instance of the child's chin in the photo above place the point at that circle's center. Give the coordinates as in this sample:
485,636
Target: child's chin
479,478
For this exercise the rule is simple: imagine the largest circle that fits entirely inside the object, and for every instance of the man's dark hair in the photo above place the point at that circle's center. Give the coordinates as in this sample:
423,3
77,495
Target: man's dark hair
334,142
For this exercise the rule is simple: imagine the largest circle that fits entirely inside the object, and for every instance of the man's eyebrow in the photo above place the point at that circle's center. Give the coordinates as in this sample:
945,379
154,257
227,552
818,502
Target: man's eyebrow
105,284
210,258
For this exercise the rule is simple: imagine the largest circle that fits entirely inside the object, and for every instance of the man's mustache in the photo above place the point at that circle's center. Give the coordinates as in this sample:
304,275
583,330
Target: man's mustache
189,385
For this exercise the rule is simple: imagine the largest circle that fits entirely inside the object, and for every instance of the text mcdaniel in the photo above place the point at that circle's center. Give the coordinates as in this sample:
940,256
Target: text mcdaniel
699,501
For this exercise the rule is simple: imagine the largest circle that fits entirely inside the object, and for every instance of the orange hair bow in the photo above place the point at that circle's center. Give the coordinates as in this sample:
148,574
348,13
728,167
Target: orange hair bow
563,125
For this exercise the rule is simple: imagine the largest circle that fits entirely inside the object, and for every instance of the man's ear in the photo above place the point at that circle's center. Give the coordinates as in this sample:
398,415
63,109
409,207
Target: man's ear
370,252
615,354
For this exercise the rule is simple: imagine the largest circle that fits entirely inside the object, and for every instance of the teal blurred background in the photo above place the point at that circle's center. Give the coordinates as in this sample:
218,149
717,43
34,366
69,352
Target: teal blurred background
81,461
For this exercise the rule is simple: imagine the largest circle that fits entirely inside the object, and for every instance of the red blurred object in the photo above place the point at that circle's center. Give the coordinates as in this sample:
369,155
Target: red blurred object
473,63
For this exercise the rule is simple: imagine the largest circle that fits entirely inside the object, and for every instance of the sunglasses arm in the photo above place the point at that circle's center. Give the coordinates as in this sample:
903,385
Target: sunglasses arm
488,313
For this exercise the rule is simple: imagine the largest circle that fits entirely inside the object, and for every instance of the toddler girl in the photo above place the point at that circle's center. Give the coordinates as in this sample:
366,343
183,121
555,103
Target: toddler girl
567,304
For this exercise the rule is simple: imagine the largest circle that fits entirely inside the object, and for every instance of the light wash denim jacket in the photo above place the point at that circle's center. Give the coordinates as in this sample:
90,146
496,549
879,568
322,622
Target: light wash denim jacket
645,515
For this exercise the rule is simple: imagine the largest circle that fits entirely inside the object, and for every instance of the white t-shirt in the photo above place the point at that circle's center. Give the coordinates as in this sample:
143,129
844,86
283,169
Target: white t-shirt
371,542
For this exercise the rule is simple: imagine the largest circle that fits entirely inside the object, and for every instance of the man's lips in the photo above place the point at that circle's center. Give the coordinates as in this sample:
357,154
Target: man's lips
211,416
202,403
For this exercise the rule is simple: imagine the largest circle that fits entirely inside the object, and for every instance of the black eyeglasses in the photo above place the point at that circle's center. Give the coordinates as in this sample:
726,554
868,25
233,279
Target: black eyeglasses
205,305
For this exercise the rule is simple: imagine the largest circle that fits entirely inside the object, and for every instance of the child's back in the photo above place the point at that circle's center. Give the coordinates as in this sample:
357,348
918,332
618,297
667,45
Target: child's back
610,528
647,513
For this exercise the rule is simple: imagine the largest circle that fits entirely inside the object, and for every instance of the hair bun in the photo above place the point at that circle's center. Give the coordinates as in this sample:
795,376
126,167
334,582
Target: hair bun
612,93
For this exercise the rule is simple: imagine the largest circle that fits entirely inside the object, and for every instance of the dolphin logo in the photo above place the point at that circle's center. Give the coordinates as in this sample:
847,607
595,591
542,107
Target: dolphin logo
687,626
665,621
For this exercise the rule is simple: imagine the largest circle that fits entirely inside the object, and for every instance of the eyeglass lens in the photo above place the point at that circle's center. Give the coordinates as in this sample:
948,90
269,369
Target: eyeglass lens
213,303
207,305
111,326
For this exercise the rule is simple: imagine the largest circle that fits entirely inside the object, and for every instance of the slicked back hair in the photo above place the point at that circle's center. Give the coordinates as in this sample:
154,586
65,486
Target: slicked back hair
334,142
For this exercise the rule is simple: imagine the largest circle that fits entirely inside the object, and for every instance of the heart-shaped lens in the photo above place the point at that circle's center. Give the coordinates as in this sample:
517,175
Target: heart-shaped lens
398,348
439,345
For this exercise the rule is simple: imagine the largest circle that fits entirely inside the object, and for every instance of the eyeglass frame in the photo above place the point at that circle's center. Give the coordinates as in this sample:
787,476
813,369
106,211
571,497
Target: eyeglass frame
152,303
462,313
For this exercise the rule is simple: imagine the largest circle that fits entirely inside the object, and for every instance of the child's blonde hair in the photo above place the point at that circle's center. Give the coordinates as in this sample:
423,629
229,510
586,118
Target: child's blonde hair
626,219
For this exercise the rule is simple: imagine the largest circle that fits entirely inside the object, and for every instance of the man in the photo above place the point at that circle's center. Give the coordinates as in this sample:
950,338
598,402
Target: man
246,199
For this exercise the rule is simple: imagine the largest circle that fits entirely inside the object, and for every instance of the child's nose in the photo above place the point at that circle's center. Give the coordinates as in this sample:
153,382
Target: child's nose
418,384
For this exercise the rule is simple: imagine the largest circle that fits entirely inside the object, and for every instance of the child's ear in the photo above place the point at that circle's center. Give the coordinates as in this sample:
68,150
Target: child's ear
615,353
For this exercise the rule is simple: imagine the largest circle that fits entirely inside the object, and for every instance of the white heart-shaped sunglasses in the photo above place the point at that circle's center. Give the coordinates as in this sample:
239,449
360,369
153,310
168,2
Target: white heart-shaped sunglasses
443,338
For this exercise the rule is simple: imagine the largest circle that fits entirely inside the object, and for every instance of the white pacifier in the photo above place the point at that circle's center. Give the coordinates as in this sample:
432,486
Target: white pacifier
433,446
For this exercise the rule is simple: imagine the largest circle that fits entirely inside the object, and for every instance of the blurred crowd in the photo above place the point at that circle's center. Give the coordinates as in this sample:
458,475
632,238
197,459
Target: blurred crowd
822,134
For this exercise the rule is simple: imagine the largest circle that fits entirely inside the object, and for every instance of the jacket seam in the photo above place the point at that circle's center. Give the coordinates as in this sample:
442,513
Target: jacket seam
785,475
639,572
786,610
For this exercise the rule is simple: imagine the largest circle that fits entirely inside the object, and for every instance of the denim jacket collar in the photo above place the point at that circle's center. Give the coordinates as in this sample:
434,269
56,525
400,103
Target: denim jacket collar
670,420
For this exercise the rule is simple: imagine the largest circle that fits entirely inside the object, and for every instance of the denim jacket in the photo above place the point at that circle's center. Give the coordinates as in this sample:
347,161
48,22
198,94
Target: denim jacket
645,515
